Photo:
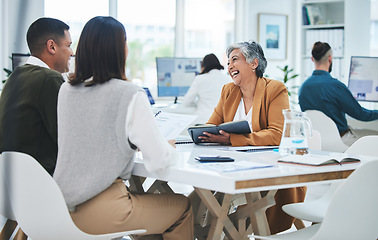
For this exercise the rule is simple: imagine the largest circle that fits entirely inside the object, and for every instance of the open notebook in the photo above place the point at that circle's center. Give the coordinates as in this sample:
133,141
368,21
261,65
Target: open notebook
317,160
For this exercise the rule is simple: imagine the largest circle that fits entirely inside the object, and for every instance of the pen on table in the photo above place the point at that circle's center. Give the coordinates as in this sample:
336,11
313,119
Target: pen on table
157,113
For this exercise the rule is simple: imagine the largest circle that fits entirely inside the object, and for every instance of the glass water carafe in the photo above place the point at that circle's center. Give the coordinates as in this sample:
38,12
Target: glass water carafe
294,139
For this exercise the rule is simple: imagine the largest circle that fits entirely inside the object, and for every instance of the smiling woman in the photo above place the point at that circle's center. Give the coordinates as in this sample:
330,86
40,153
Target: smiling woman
260,101
250,97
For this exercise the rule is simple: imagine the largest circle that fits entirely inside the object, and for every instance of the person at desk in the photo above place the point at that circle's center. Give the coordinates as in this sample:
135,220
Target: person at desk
205,90
103,120
326,94
260,101
28,114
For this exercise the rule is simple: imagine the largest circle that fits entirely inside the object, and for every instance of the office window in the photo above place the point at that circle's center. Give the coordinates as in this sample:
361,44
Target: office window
374,28
150,29
209,27
76,14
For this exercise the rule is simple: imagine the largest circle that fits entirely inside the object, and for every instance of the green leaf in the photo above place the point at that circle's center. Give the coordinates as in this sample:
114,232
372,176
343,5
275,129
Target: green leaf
9,72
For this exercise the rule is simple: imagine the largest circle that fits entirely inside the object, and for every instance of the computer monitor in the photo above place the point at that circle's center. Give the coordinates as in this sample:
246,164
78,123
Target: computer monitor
363,78
19,59
175,75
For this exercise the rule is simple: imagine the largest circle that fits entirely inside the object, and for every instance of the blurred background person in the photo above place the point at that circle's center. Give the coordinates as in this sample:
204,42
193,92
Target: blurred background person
324,93
204,92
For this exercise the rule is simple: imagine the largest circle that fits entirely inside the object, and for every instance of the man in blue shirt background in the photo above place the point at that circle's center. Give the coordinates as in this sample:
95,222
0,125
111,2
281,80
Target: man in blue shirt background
326,94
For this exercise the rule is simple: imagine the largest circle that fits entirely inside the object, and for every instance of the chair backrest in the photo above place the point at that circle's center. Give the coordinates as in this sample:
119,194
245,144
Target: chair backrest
330,137
5,205
38,203
367,145
315,141
353,210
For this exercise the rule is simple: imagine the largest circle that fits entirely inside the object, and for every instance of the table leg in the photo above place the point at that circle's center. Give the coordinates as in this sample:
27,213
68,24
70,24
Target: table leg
20,235
8,229
136,184
252,210
219,211
258,206
160,186
234,225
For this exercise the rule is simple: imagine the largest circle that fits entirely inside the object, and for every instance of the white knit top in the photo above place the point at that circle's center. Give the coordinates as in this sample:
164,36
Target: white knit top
98,127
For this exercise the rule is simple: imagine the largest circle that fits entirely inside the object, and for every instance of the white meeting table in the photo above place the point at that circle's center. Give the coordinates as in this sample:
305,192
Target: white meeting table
251,182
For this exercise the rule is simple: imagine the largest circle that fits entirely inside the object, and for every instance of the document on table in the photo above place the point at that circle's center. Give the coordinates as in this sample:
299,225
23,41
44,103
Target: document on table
318,160
232,166
250,148
172,124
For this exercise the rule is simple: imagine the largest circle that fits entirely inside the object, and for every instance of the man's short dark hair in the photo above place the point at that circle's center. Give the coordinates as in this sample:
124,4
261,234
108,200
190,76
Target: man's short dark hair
42,30
319,50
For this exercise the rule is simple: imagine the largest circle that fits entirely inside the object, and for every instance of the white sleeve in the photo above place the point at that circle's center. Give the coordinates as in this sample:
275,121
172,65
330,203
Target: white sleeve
191,95
144,133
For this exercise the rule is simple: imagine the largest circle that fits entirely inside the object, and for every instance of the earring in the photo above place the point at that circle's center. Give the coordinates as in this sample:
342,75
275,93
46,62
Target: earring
253,70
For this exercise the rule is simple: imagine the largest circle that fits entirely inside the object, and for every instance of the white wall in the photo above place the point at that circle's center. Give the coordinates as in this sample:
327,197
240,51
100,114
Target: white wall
16,17
3,38
357,31
246,25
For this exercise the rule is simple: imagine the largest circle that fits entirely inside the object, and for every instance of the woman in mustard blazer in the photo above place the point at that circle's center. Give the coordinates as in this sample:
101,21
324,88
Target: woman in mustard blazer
260,101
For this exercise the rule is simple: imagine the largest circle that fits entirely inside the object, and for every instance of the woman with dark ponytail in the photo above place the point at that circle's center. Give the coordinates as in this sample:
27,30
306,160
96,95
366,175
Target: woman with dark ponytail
206,88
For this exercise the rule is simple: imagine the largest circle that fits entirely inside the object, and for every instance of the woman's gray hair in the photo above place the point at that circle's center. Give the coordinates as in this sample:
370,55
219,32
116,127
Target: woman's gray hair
251,50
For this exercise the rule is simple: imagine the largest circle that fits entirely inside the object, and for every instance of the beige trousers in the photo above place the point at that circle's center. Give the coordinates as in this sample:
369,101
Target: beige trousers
164,216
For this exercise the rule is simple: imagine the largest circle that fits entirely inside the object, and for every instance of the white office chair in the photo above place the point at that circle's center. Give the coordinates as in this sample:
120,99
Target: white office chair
355,199
6,211
38,204
315,141
367,145
330,137
314,211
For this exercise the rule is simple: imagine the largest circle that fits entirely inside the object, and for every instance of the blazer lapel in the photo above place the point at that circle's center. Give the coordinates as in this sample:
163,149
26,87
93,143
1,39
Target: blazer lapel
257,103
233,104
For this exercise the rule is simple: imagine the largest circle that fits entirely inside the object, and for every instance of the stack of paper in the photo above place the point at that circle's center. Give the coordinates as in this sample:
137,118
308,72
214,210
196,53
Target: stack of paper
172,124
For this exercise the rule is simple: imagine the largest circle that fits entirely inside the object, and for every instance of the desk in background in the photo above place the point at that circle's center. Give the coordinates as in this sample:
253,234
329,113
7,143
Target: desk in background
173,108
248,182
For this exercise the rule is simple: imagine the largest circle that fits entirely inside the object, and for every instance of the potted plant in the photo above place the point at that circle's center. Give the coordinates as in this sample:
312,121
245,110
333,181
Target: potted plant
292,89
9,72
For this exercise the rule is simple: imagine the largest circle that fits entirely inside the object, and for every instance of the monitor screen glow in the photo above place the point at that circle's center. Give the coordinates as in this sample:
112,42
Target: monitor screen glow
19,59
363,78
175,75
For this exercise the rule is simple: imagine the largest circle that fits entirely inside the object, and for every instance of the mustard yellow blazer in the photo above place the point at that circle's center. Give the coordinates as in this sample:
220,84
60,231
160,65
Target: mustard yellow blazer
271,97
